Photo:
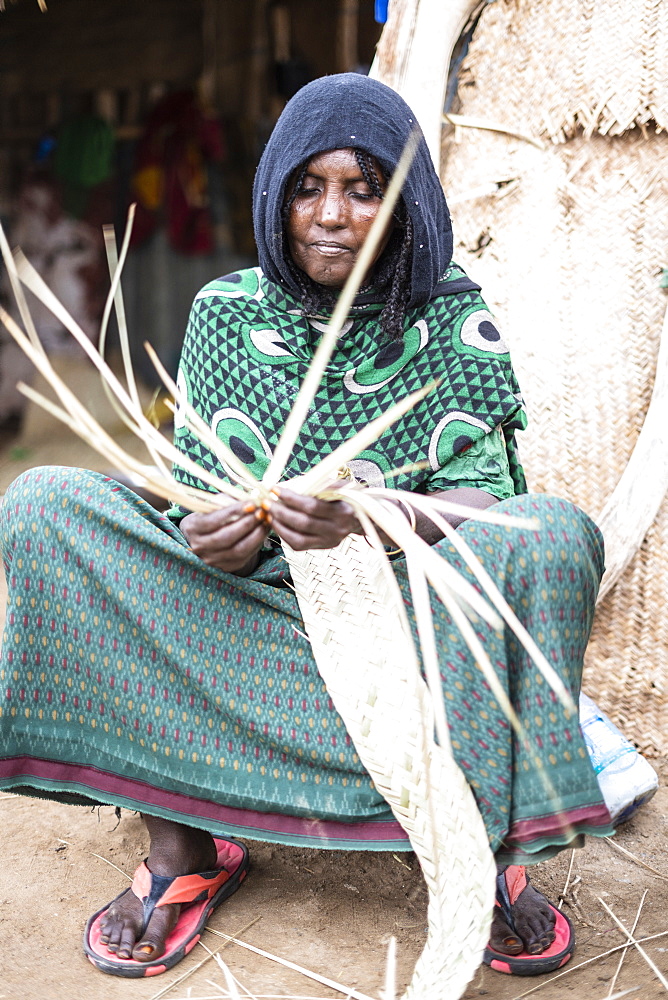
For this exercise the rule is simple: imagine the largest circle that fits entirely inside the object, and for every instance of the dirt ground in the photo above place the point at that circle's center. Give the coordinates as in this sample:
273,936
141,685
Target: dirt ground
328,911
331,912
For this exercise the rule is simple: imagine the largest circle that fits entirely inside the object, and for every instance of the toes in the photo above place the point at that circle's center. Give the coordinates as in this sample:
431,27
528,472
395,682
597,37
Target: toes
537,930
146,951
120,925
111,934
125,947
538,946
502,938
152,944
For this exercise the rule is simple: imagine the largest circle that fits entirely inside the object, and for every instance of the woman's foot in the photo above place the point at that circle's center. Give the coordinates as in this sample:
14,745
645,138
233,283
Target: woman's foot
533,919
175,850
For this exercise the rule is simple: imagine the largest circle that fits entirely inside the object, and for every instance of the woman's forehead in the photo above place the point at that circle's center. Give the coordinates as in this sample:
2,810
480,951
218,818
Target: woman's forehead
342,158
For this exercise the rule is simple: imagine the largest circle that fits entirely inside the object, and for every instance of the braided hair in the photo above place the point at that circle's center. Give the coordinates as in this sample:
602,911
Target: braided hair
392,272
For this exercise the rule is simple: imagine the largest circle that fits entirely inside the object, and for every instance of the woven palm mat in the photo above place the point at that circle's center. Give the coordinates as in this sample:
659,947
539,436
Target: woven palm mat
562,67
569,254
352,615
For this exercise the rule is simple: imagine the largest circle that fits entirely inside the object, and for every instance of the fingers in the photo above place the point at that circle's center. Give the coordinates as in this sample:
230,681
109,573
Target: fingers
311,515
307,523
228,538
208,524
312,507
228,534
231,549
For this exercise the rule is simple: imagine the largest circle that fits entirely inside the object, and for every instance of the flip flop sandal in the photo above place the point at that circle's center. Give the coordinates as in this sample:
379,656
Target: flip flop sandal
199,895
509,884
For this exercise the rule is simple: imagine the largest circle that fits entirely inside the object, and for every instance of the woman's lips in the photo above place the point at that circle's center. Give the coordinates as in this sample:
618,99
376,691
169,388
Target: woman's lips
329,249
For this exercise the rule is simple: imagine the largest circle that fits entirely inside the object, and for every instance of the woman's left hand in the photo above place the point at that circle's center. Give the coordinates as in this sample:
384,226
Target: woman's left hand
307,523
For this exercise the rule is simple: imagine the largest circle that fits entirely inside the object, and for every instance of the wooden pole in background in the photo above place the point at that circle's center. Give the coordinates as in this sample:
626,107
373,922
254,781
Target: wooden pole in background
347,36
413,57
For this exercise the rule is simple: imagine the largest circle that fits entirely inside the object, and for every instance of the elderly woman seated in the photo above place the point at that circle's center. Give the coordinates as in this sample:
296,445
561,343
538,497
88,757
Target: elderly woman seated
158,663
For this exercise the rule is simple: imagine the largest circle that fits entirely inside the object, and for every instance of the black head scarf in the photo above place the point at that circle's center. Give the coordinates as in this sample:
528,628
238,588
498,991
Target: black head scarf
338,112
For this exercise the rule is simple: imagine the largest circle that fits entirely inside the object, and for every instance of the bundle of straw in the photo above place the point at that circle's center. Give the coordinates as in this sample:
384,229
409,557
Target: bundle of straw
352,607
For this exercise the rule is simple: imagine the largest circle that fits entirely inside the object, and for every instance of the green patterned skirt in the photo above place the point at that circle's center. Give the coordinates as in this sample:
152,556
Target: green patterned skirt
134,674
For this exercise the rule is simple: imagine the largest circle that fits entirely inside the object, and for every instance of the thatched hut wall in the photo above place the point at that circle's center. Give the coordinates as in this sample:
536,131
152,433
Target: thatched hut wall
568,242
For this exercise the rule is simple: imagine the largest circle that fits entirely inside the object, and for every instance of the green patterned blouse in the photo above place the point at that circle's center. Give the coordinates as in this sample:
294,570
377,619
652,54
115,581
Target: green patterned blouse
248,347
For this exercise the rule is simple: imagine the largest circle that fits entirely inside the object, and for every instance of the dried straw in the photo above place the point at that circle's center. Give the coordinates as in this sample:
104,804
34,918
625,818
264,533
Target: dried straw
390,989
562,895
634,857
108,862
657,972
324,980
581,965
623,954
467,121
170,986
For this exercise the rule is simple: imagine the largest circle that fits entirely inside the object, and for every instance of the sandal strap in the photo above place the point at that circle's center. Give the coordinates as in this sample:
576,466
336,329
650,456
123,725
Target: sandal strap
159,890
510,882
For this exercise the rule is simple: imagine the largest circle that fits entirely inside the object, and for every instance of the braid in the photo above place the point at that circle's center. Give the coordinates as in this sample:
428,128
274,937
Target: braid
392,272
368,172
394,267
299,180
392,316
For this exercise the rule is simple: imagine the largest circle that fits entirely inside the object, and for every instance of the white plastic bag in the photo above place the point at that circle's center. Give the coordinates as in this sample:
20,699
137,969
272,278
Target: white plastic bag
627,780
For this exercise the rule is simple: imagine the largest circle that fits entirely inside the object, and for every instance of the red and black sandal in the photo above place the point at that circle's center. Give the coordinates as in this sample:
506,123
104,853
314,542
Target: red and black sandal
509,884
199,896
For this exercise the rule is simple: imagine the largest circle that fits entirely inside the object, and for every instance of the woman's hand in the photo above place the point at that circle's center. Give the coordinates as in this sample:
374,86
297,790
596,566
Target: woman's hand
307,523
229,539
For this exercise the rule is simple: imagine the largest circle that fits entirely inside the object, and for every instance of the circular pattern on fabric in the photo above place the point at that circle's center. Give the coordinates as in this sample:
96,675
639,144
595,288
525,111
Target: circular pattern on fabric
366,471
238,285
266,345
380,369
243,437
451,435
479,330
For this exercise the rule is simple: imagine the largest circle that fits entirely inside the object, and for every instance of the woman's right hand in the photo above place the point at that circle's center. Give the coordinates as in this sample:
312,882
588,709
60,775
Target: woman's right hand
229,539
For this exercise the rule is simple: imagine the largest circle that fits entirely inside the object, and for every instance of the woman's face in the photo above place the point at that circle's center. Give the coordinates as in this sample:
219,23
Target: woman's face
331,216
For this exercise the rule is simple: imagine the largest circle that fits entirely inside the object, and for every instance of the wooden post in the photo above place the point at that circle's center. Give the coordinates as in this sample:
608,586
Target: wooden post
208,83
347,44
256,84
413,57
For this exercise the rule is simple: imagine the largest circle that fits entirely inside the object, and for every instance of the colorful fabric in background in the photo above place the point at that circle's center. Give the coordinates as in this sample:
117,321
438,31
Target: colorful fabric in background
134,674
84,158
170,180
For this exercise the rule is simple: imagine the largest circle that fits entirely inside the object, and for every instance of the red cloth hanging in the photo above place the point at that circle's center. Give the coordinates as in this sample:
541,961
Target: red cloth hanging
170,180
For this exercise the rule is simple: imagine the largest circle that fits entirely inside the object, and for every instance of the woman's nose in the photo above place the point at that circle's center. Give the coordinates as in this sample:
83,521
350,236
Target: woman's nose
331,212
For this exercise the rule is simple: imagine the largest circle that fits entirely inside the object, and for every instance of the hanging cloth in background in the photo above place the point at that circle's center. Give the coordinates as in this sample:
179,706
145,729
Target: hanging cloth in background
170,181
83,159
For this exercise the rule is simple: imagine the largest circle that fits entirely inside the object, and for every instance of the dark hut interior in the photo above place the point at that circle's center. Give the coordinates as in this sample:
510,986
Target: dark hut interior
163,102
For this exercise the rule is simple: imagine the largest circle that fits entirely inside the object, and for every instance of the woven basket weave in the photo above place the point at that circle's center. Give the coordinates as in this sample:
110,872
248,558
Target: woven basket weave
371,673
561,68
569,256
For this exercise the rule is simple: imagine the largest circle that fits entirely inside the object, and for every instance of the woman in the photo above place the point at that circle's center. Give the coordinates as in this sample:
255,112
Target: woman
157,663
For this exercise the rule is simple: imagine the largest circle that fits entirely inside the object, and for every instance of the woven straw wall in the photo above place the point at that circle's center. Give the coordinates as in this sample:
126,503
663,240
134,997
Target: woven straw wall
592,65
569,255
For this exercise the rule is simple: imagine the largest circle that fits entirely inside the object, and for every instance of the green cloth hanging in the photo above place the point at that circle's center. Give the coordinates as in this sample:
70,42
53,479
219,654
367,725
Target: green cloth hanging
83,159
